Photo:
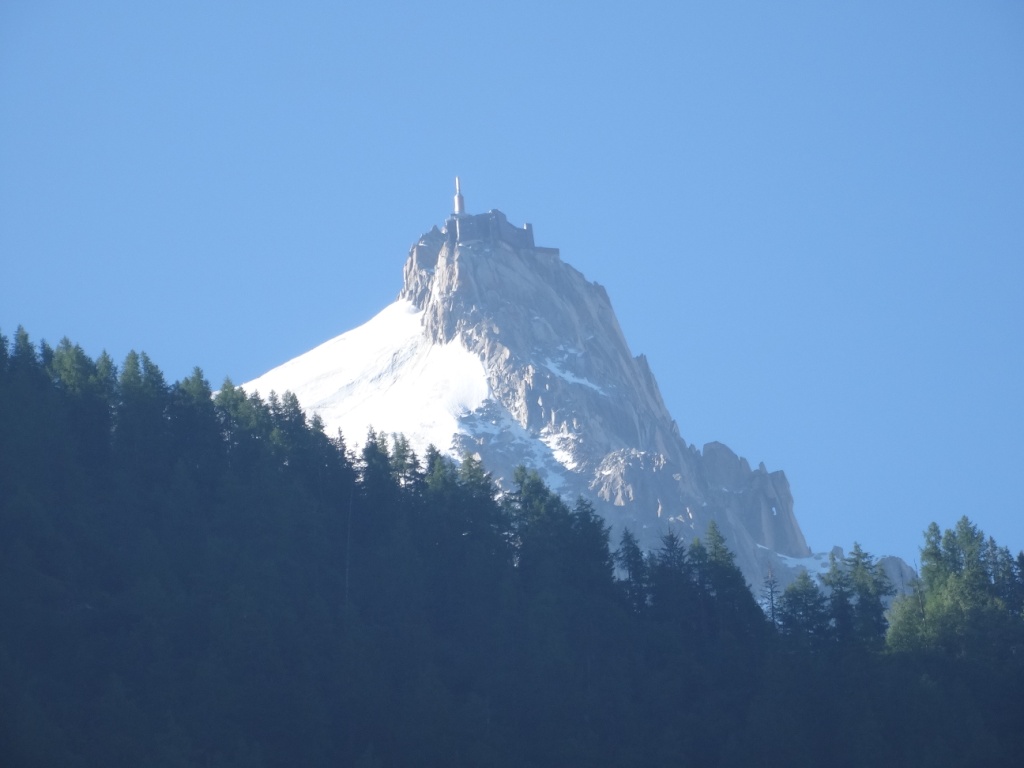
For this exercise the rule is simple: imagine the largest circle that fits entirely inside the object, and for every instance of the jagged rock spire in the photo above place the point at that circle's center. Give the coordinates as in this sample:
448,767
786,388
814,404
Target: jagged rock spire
498,349
460,204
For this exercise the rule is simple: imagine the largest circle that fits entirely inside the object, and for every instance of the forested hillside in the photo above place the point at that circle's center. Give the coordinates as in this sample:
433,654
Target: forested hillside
189,579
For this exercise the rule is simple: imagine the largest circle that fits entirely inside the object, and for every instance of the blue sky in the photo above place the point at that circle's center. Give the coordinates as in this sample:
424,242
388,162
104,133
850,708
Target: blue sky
809,216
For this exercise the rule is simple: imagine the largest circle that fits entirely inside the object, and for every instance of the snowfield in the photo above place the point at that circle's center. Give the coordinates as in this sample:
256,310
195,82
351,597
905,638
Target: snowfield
387,375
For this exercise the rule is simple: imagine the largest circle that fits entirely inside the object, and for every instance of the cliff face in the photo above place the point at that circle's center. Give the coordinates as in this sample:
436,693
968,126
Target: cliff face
498,348
568,398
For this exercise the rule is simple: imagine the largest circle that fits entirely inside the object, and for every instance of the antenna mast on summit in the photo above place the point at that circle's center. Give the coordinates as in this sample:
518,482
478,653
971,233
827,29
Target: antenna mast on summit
460,204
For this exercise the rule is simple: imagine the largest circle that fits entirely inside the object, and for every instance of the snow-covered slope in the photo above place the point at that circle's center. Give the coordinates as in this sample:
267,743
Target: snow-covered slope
386,375
499,349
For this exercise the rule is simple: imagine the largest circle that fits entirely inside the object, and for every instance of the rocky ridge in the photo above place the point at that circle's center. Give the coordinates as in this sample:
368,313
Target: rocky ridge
559,391
560,369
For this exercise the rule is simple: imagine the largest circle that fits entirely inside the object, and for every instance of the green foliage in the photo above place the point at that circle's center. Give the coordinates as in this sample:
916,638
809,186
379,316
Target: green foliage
857,591
968,601
803,612
871,589
771,594
630,559
199,579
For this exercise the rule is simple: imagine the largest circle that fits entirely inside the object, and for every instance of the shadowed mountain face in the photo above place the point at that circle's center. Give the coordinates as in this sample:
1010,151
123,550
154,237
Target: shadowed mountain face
559,368
499,349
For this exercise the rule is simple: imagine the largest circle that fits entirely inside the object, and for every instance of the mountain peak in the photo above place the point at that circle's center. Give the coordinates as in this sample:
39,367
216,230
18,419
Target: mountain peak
499,349
548,337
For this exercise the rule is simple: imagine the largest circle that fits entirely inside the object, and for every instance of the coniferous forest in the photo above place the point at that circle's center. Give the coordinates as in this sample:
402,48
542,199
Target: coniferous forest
190,579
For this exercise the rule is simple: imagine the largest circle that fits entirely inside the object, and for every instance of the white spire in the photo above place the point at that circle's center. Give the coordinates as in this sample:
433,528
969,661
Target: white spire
460,205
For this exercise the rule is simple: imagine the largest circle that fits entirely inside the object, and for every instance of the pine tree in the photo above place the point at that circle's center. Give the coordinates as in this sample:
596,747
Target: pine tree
591,560
871,588
141,426
840,600
957,608
732,610
771,592
630,559
674,598
803,613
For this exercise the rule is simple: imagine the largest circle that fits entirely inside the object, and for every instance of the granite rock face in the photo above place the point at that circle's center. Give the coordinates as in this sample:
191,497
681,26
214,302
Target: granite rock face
569,399
497,348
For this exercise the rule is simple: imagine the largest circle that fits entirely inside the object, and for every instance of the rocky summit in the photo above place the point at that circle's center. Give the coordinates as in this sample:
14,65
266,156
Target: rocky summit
498,349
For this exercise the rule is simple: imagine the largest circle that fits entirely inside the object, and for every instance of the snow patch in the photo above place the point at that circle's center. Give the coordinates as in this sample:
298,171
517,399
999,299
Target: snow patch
812,563
561,446
385,374
561,373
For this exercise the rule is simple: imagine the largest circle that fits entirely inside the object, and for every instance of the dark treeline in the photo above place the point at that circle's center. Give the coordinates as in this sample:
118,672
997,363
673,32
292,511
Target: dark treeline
189,579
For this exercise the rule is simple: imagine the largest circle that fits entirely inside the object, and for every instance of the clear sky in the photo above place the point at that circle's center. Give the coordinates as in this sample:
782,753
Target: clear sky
809,216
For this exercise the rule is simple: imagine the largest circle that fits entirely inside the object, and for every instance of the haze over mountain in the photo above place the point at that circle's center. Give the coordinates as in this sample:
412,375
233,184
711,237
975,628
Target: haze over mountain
497,348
